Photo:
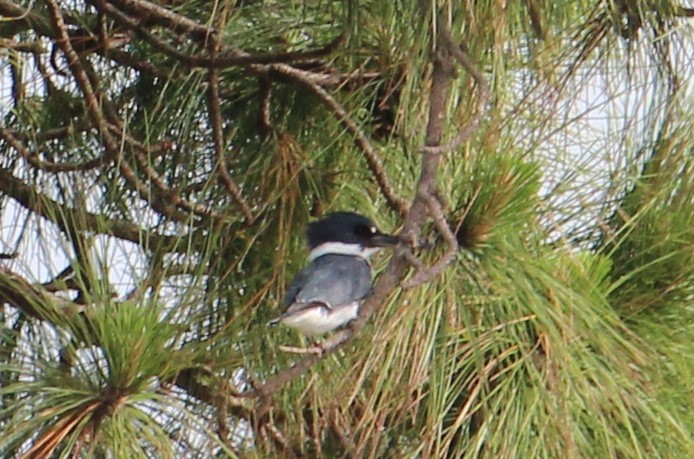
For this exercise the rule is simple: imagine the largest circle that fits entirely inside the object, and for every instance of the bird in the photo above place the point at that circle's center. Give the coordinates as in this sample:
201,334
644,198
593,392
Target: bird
327,293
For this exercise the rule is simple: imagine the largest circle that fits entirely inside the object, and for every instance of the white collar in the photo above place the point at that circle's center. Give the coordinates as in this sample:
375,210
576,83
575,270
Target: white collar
340,248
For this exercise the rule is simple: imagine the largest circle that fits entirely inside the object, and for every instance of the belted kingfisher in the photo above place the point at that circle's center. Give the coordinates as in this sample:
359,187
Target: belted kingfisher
328,292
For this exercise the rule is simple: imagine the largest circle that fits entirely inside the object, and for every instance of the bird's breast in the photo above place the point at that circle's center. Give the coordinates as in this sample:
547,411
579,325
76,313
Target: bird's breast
320,319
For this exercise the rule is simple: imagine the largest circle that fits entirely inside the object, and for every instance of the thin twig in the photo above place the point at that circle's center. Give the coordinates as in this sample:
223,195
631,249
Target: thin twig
90,95
124,59
164,191
162,206
317,426
265,95
280,439
58,133
32,47
374,161
341,432
218,136
48,166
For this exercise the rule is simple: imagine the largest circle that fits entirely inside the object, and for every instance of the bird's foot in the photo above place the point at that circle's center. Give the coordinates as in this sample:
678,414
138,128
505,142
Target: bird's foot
315,349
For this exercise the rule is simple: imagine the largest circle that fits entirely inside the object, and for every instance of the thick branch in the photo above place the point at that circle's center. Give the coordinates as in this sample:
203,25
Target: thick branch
154,14
16,19
464,134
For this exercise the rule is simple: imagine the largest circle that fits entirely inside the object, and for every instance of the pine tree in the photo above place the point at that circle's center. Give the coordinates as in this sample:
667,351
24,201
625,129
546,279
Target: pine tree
159,162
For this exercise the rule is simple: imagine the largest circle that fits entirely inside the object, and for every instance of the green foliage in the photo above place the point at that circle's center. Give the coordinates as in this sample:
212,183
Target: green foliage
501,195
651,243
110,391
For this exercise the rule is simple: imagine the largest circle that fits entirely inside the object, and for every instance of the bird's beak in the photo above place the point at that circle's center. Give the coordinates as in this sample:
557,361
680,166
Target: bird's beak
383,240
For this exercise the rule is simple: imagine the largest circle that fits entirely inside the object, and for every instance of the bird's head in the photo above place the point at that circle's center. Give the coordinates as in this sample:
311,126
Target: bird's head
346,233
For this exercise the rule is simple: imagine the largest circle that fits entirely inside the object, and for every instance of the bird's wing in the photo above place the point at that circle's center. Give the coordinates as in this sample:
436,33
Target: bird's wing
295,287
331,280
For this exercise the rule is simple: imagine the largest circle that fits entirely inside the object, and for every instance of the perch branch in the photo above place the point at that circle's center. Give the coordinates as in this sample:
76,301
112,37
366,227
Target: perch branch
448,52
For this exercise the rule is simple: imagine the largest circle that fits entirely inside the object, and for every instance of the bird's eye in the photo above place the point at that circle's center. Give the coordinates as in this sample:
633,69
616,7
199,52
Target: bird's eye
373,230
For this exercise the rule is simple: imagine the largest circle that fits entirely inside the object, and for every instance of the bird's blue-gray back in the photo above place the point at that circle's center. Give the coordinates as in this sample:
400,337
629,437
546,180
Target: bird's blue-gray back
332,279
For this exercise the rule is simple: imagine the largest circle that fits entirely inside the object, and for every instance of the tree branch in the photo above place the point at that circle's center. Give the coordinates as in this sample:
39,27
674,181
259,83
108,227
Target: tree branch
483,89
226,57
82,80
424,275
59,214
154,14
218,136
18,19
34,301
374,161
432,151
49,166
